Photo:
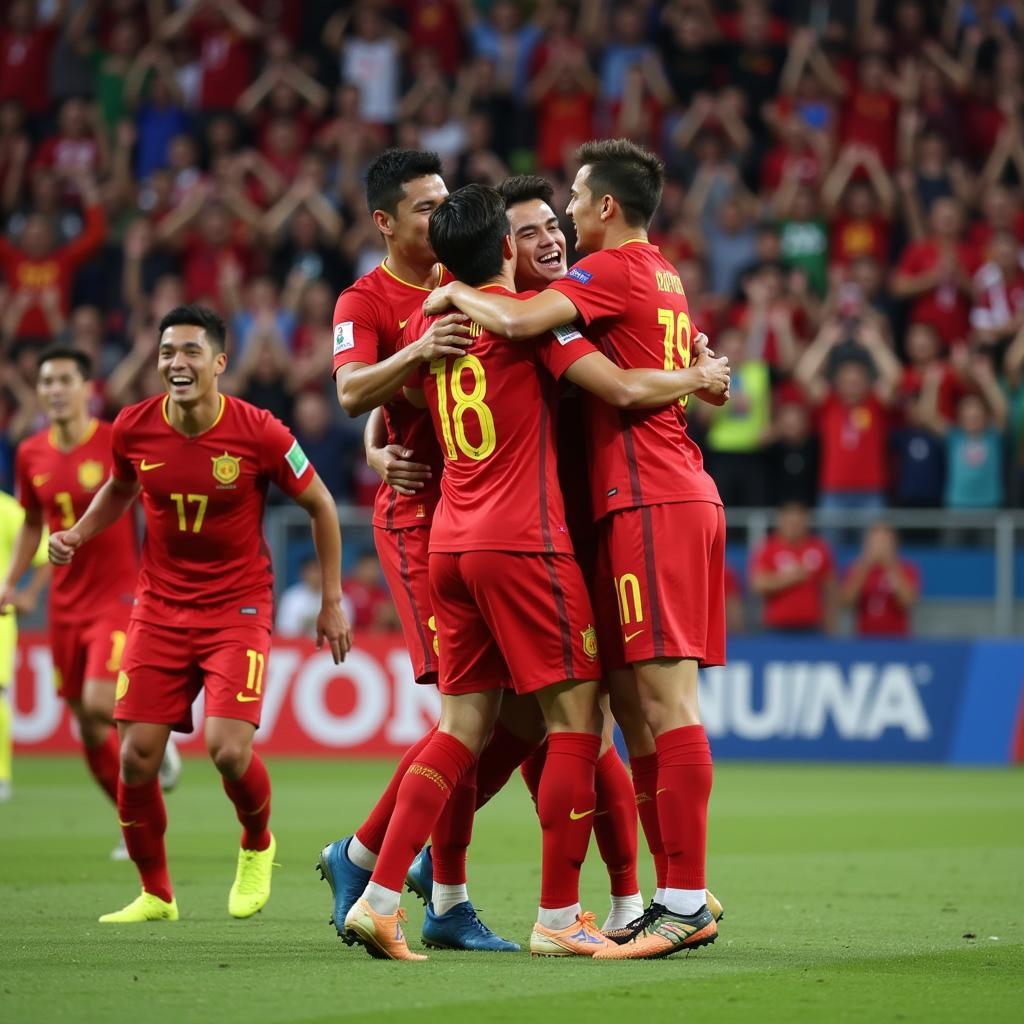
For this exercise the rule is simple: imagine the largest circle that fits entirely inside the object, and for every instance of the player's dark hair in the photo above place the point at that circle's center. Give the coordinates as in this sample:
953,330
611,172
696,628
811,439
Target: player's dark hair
391,170
524,188
194,315
59,350
467,231
632,175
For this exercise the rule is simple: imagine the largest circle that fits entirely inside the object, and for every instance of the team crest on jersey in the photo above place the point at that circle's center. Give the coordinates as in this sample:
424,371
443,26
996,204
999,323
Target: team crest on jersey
589,642
90,474
226,468
122,686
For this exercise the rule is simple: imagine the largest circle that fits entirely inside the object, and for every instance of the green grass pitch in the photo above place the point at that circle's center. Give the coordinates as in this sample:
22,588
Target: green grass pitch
851,894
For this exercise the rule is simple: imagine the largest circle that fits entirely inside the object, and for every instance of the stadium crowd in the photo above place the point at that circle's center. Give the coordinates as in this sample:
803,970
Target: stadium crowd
844,204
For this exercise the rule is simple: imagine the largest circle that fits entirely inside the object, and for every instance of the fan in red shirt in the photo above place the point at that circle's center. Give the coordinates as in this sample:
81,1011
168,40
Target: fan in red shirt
880,586
872,110
511,604
40,275
25,52
852,412
201,621
403,187
58,471
934,274
794,574
662,615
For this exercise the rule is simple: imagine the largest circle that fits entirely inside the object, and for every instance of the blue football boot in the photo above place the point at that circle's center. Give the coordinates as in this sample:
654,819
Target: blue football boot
347,882
460,928
420,878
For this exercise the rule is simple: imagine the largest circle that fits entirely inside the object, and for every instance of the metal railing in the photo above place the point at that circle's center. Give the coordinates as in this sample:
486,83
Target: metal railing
998,531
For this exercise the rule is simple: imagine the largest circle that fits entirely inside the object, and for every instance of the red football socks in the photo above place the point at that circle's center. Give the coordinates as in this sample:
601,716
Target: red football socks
454,829
371,832
105,763
684,787
143,823
615,826
645,788
251,796
425,788
504,753
566,806
533,768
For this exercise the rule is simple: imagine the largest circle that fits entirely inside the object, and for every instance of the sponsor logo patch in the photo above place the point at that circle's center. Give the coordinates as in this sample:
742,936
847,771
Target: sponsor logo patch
296,459
344,337
578,274
566,333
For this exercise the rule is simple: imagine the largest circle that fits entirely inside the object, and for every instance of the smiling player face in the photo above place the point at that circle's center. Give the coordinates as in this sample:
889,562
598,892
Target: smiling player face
540,244
188,364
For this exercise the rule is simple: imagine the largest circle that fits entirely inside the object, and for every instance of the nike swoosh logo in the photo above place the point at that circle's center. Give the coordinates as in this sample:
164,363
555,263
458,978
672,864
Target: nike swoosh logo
39,479
633,636
126,824
243,699
575,816
147,466
402,323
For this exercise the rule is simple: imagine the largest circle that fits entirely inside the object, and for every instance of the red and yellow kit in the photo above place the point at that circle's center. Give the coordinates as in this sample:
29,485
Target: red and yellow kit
370,318
509,599
90,599
660,549
203,607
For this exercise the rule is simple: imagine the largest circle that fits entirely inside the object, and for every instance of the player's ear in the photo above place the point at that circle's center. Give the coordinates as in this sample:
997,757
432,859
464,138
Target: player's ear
508,249
608,206
382,221
220,363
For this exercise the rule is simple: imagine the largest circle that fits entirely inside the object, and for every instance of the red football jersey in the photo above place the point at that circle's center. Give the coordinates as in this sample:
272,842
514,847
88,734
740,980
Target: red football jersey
801,605
204,561
495,414
369,320
853,445
61,484
879,613
632,302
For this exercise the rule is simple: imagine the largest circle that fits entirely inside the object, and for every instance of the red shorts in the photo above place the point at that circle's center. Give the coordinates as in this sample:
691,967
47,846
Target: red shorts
510,620
164,669
90,651
660,587
403,557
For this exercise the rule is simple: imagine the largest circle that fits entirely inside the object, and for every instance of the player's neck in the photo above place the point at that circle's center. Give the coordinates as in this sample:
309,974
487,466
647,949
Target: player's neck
68,434
620,233
414,272
504,280
196,417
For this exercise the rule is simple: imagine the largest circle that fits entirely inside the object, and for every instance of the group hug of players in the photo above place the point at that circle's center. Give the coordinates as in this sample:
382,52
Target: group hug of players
545,583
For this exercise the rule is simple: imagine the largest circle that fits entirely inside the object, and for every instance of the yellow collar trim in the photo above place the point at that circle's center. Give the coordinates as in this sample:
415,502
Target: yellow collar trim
220,415
408,284
90,429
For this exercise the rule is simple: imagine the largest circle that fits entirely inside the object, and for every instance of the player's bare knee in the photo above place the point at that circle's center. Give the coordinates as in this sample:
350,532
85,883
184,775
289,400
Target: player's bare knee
140,761
571,707
230,757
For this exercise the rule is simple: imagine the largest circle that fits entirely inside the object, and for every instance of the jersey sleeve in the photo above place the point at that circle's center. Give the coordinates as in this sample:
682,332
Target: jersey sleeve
23,489
561,348
122,468
355,331
598,286
414,329
284,461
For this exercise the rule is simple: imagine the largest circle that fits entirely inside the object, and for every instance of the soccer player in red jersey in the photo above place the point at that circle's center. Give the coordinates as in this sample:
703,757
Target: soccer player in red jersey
58,471
511,605
663,616
202,613
403,187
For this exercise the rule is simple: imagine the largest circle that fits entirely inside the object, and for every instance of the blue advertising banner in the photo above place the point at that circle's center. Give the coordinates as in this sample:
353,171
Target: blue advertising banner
784,698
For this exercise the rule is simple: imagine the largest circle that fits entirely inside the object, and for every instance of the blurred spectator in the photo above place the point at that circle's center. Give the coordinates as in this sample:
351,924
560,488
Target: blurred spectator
998,311
299,605
852,412
974,442
737,430
372,607
794,573
792,457
330,447
26,42
39,272
881,587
